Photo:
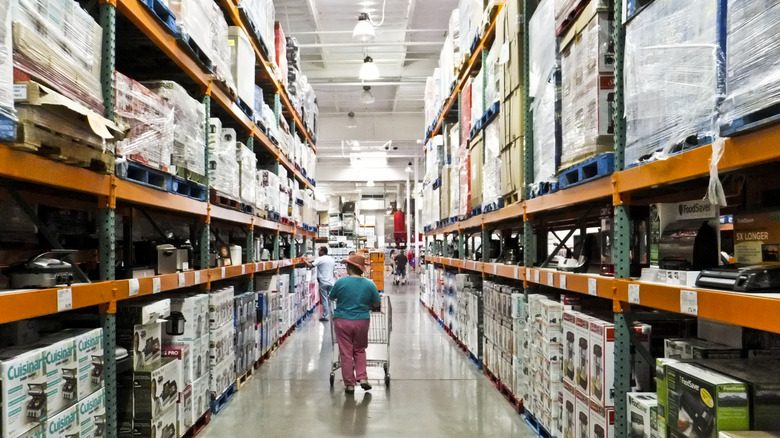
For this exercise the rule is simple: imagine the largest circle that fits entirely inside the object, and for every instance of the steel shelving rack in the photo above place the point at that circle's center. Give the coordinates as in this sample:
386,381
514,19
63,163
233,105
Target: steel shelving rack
59,184
741,152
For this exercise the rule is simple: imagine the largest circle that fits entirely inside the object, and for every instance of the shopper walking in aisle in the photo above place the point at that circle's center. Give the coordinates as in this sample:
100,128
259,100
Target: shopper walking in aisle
354,296
325,277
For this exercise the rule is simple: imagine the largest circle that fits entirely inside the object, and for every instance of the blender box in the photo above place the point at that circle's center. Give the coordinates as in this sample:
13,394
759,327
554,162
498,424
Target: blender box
195,323
602,420
201,397
569,403
569,345
61,373
763,384
156,389
23,397
184,354
703,402
581,415
582,355
642,410
164,426
693,348
185,410
65,424
602,364
92,415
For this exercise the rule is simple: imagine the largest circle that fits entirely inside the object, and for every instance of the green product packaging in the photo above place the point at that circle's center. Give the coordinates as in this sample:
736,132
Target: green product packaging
660,384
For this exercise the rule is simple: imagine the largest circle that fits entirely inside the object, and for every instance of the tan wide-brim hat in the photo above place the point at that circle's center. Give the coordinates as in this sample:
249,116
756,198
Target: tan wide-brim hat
357,260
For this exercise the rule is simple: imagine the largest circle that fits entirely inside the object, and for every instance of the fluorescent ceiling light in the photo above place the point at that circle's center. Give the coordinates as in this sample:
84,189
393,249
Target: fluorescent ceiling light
351,122
370,184
364,30
368,71
368,159
366,97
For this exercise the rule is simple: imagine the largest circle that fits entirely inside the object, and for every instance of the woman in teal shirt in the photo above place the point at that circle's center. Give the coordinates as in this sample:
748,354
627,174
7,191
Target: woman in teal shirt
354,296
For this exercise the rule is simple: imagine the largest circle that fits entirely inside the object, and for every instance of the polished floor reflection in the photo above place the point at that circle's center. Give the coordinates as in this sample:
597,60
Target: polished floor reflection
435,390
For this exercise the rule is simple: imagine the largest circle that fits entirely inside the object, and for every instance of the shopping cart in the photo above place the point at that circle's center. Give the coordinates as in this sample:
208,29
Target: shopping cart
378,350
399,275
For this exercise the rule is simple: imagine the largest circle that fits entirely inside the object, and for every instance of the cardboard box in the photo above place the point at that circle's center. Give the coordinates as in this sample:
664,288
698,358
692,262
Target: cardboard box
569,345
92,415
242,64
156,389
141,312
195,322
184,353
757,238
222,375
582,353
36,432
692,348
144,343
65,424
569,407
201,398
602,363
162,427
642,413
582,415
221,343
62,373
185,406
22,378
703,402
512,169
89,350
475,172
662,394
602,420
220,307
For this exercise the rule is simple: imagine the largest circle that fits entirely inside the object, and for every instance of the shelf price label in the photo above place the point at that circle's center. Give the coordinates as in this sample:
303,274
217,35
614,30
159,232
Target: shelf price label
495,268
133,287
517,273
536,277
156,285
593,287
563,281
182,280
689,302
550,279
64,299
197,277
633,294
243,269
222,272
528,274
257,267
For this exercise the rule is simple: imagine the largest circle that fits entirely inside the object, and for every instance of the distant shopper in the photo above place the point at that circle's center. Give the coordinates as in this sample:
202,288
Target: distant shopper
354,296
400,264
325,268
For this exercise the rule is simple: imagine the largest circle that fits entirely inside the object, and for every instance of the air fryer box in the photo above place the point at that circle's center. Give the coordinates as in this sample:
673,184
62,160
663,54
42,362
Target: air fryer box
582,353
165,426
602,420
23,380
757,238
62,373
184,354
692,348
156,389
642,410
602,363
569,417
581,415
65,424
702,402
92,415
763,383
569,345
195,324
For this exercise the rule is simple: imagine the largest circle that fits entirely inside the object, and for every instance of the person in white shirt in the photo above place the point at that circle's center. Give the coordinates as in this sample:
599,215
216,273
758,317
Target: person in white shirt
325,269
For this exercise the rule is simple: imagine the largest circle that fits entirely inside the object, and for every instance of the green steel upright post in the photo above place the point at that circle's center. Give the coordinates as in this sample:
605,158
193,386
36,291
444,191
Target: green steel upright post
277,239
277,108
445,251
486,245
249,252
205,230
461,246
621,238
529,242
107,226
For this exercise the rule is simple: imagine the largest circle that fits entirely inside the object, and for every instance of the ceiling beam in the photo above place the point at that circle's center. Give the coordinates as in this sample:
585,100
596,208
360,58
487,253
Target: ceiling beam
373,44
378,31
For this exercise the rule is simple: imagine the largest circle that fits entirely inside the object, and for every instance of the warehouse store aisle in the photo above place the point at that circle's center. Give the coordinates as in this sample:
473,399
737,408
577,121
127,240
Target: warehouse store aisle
435,390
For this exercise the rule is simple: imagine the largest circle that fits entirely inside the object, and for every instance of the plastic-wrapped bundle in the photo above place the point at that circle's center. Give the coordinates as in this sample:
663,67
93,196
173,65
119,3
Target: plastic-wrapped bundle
293,52
470,17
6,62
151,122
454,30
542,87
587,92
447,66
430,108
454,189
223,167
753,64
189,117
60,43
477,101
262,15
247,162
464,178
491,168
492,76
280,46
242,64
672,76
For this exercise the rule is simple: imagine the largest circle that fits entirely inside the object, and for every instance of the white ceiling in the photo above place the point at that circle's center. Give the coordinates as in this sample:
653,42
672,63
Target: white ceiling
406,50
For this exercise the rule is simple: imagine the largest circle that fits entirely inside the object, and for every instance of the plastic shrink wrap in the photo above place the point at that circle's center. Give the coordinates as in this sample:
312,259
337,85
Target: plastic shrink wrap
542,88
454,171
242,64
672,63
267,191
464,180
247,162
6,62
429,104
59,43
492,77
280,45
150,120
223,166
587,91
491,168
470,17
189,117
477,98
262,15
753,64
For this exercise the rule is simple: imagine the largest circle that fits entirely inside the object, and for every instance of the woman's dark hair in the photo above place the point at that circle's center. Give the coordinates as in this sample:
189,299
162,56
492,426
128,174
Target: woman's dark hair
352,269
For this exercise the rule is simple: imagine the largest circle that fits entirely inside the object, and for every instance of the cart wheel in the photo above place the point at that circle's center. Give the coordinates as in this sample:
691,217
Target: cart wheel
332,379
387,381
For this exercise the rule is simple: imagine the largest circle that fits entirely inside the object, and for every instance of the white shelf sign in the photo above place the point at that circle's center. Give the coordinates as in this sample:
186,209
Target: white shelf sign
134,287
550,279
197,277
528,274
243,269
593,287
689,302
517,273
182,280
536,276
563,281
156,285
257,267
495,268
64,299
222,272
633,293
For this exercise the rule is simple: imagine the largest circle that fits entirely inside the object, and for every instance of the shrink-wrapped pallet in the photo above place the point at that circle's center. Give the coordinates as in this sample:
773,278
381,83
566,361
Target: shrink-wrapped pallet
6,62
223,167
247,161
542,88
491,167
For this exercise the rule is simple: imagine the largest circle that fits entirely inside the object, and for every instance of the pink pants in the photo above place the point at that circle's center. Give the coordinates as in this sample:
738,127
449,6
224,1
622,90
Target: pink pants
352,337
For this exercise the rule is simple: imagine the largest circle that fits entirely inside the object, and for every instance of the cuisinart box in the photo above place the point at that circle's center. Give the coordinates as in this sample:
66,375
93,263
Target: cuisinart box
65,424
642,414
703,402
155,390
162,427
757,238
89,354
23,397
92,415
61,371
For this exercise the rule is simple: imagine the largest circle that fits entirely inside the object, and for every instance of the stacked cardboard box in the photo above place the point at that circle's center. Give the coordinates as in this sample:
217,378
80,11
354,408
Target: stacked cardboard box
245,338
224,169
221,341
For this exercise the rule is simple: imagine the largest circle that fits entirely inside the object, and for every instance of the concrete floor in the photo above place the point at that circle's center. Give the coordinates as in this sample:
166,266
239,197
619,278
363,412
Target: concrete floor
435,390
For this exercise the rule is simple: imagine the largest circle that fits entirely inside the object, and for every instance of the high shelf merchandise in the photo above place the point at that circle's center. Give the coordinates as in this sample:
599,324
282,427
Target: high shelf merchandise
111,146
612,165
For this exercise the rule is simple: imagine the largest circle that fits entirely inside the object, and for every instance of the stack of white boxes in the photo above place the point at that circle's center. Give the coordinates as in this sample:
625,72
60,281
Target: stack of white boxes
224,170
498,340
268,299
247,162
245,337
191,347
221,333
547,361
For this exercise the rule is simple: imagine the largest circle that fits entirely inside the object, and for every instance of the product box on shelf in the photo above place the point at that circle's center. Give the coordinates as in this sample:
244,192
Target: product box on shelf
221,343
570,345
23,378
582,353
703,402
602,365
475,161
642,414
196,320
89,351
757,238
569,410
92,415
222,375
602,421
242,64
143,342
662,393
156,389
201,397
692,348
143,312
185,406
220,307
36,432
61,371
65,424
163,426
582,415
184,354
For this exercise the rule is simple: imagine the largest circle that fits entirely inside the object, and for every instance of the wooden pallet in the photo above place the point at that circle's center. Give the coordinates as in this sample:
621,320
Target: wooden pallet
511,198
199,425
588,170
220,402
218,198
243,379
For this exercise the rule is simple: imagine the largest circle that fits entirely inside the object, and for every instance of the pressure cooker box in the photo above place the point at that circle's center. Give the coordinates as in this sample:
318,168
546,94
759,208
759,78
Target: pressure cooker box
703,402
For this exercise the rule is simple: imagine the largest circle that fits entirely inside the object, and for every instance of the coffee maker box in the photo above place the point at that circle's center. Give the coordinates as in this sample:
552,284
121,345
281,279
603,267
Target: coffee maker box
757,238
156,389
65,424
642,408
569,345
92,415
602,420
184,354
703,402
23,379
582,415
582,358
602,364
569,408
